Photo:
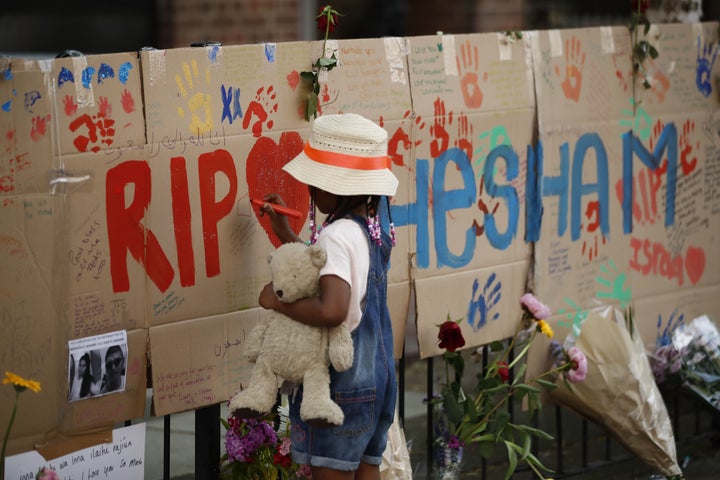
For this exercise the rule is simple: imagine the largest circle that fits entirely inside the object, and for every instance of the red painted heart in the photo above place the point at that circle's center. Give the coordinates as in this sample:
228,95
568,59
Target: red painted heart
695,263
264,174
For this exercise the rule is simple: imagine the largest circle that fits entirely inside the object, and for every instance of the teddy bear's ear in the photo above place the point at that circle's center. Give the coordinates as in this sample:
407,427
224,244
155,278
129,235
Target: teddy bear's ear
317,255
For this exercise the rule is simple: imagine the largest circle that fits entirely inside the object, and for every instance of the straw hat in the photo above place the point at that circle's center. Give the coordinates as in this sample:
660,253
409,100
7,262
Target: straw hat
345,155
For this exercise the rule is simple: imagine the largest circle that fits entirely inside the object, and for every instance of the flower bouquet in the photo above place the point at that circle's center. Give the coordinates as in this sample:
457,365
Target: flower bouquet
260,448
481,417
619,392
690,357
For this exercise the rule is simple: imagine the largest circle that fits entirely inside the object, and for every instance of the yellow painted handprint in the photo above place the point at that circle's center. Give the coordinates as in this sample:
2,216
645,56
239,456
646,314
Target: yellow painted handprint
196,101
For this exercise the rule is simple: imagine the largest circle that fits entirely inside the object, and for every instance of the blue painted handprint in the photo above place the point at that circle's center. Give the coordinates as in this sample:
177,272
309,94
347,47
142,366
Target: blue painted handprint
664,335
705,60
481,308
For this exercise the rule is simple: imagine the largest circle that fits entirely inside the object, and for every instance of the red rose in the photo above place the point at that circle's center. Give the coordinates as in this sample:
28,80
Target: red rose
644,4
282,460
503,371
450,336
322,20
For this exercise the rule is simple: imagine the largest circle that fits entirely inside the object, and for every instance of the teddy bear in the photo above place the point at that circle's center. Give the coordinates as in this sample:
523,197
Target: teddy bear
283,349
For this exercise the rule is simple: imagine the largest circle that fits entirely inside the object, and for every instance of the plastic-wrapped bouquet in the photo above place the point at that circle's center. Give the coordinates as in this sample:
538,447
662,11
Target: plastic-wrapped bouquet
619,393
690,356
260,448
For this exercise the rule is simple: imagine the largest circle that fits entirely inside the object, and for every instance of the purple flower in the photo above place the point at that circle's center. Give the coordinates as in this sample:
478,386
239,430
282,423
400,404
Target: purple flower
454,442
246,437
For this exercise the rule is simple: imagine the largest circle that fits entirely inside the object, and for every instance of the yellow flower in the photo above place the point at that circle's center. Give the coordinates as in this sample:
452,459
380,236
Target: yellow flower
20,383
545,328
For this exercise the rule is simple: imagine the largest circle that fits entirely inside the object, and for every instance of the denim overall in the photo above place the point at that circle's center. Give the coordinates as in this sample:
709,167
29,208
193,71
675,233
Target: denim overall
366,392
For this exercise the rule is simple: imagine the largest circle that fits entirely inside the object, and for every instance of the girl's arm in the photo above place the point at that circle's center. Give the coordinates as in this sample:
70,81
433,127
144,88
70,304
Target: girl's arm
280,225
329,309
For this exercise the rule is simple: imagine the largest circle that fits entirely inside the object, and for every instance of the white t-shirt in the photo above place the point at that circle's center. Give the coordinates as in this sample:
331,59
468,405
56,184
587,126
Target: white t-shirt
348,257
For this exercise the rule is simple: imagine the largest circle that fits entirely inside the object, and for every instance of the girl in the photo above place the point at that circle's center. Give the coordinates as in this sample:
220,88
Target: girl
346,168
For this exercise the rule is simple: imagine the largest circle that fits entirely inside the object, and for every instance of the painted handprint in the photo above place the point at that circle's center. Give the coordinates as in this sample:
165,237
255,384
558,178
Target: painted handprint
399,143
616,283
465,134
575,62
637,119
659,81
688,160
576,315
264,102
196,101
441,137
706,55
468,64
590,248
664,334
482,304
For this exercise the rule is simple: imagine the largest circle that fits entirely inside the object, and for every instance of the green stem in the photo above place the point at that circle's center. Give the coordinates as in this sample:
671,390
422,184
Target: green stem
7,435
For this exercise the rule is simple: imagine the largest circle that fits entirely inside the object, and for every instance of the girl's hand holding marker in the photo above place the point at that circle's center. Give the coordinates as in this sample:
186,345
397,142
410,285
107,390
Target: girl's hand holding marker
279,209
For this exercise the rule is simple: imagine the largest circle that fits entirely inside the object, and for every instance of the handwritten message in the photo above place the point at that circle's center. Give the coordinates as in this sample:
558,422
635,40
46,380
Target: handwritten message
122,459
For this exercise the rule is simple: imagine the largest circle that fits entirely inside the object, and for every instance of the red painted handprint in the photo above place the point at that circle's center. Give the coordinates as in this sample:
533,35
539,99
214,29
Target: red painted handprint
468,64
688,160
441,138
575,62
465,133
590,248
399,143
259,107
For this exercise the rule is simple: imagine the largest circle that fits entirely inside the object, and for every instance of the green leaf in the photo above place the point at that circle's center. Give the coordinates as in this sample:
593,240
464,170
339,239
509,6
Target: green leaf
497,346
453,409
225,424
512,460
541,434
653,52
644,20
486,448
546,384
501,420
308,76
327,62
312,105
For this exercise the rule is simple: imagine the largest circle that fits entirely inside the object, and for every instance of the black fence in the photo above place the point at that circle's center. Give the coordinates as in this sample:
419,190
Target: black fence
579,447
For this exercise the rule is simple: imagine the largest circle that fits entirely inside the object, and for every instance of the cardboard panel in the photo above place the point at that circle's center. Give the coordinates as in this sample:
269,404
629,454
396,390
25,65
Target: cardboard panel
399,305
28,116
29,345
200,362
212,240
487,300
98,103
113,408
471,95
199,95
103,258
656,316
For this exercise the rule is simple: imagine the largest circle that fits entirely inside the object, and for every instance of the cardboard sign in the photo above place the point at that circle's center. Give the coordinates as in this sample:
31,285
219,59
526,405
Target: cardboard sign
524,165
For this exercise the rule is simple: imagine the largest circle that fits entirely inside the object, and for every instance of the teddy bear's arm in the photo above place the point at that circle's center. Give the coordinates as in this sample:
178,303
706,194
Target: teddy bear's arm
340,347
253,344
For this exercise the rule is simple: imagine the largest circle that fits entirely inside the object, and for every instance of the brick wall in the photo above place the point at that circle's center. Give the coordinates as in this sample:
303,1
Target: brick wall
231,22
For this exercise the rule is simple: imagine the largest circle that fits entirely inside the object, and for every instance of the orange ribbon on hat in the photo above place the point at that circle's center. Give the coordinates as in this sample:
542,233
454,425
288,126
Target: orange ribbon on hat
346,161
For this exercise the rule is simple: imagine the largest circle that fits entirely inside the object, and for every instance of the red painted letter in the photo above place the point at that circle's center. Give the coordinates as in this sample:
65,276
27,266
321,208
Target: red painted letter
212,212
125,230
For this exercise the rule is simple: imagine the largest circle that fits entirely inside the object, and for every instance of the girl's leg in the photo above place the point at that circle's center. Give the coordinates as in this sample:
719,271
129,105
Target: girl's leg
367,472
323,473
